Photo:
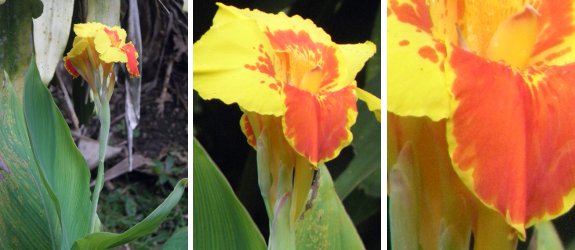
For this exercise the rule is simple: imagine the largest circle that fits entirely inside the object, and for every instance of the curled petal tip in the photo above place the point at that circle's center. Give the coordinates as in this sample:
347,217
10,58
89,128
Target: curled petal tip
70,68
132,64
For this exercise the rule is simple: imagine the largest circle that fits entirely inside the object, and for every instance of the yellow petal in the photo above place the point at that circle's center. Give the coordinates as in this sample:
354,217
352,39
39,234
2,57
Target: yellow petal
229,64
272,22
354,58
120,32
107,51
86,30
416,81
373,103
79,46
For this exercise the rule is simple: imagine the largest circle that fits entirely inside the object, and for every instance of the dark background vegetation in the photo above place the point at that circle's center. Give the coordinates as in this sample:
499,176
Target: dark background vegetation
216,125
161,136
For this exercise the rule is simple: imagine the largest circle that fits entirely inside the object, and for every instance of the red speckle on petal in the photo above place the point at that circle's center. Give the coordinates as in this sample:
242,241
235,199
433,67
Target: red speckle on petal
264,64
417,15
273,86
250,67
114,38
553,56
441,48
403,43
428,53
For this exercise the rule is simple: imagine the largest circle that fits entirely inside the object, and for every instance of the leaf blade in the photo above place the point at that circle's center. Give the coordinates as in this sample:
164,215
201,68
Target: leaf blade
61,163
220,221
327,225
28,218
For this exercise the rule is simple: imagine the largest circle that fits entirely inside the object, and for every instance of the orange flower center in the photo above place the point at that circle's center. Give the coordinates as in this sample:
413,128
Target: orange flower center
305,64
298,61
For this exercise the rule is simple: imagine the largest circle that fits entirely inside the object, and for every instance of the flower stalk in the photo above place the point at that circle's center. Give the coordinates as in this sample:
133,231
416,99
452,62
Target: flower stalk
104,116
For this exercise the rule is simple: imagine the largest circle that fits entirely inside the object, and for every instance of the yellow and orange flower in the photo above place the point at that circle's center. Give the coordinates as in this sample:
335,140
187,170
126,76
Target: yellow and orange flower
96,48
284,67
501,74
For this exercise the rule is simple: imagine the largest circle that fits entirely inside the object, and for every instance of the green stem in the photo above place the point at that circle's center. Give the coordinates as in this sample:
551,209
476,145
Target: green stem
104,114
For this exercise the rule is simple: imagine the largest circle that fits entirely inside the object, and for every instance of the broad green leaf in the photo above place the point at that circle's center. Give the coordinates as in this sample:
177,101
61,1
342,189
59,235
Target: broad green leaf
366,133
28,218
178,241
16,39
220,220
106,12
51,32
105,240
326,224
545,237
61,163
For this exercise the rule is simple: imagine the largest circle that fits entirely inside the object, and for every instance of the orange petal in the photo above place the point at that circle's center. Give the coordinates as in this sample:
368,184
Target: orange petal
511,137
132,64
248,131
317,127
70,68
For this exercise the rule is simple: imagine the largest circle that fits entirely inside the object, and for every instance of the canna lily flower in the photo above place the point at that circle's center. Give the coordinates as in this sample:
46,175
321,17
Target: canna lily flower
502,75
284,67
297,91
96,48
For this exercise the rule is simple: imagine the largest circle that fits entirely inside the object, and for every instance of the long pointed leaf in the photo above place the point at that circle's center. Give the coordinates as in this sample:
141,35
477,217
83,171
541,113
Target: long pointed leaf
105,240
62,164
220,220
28,218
